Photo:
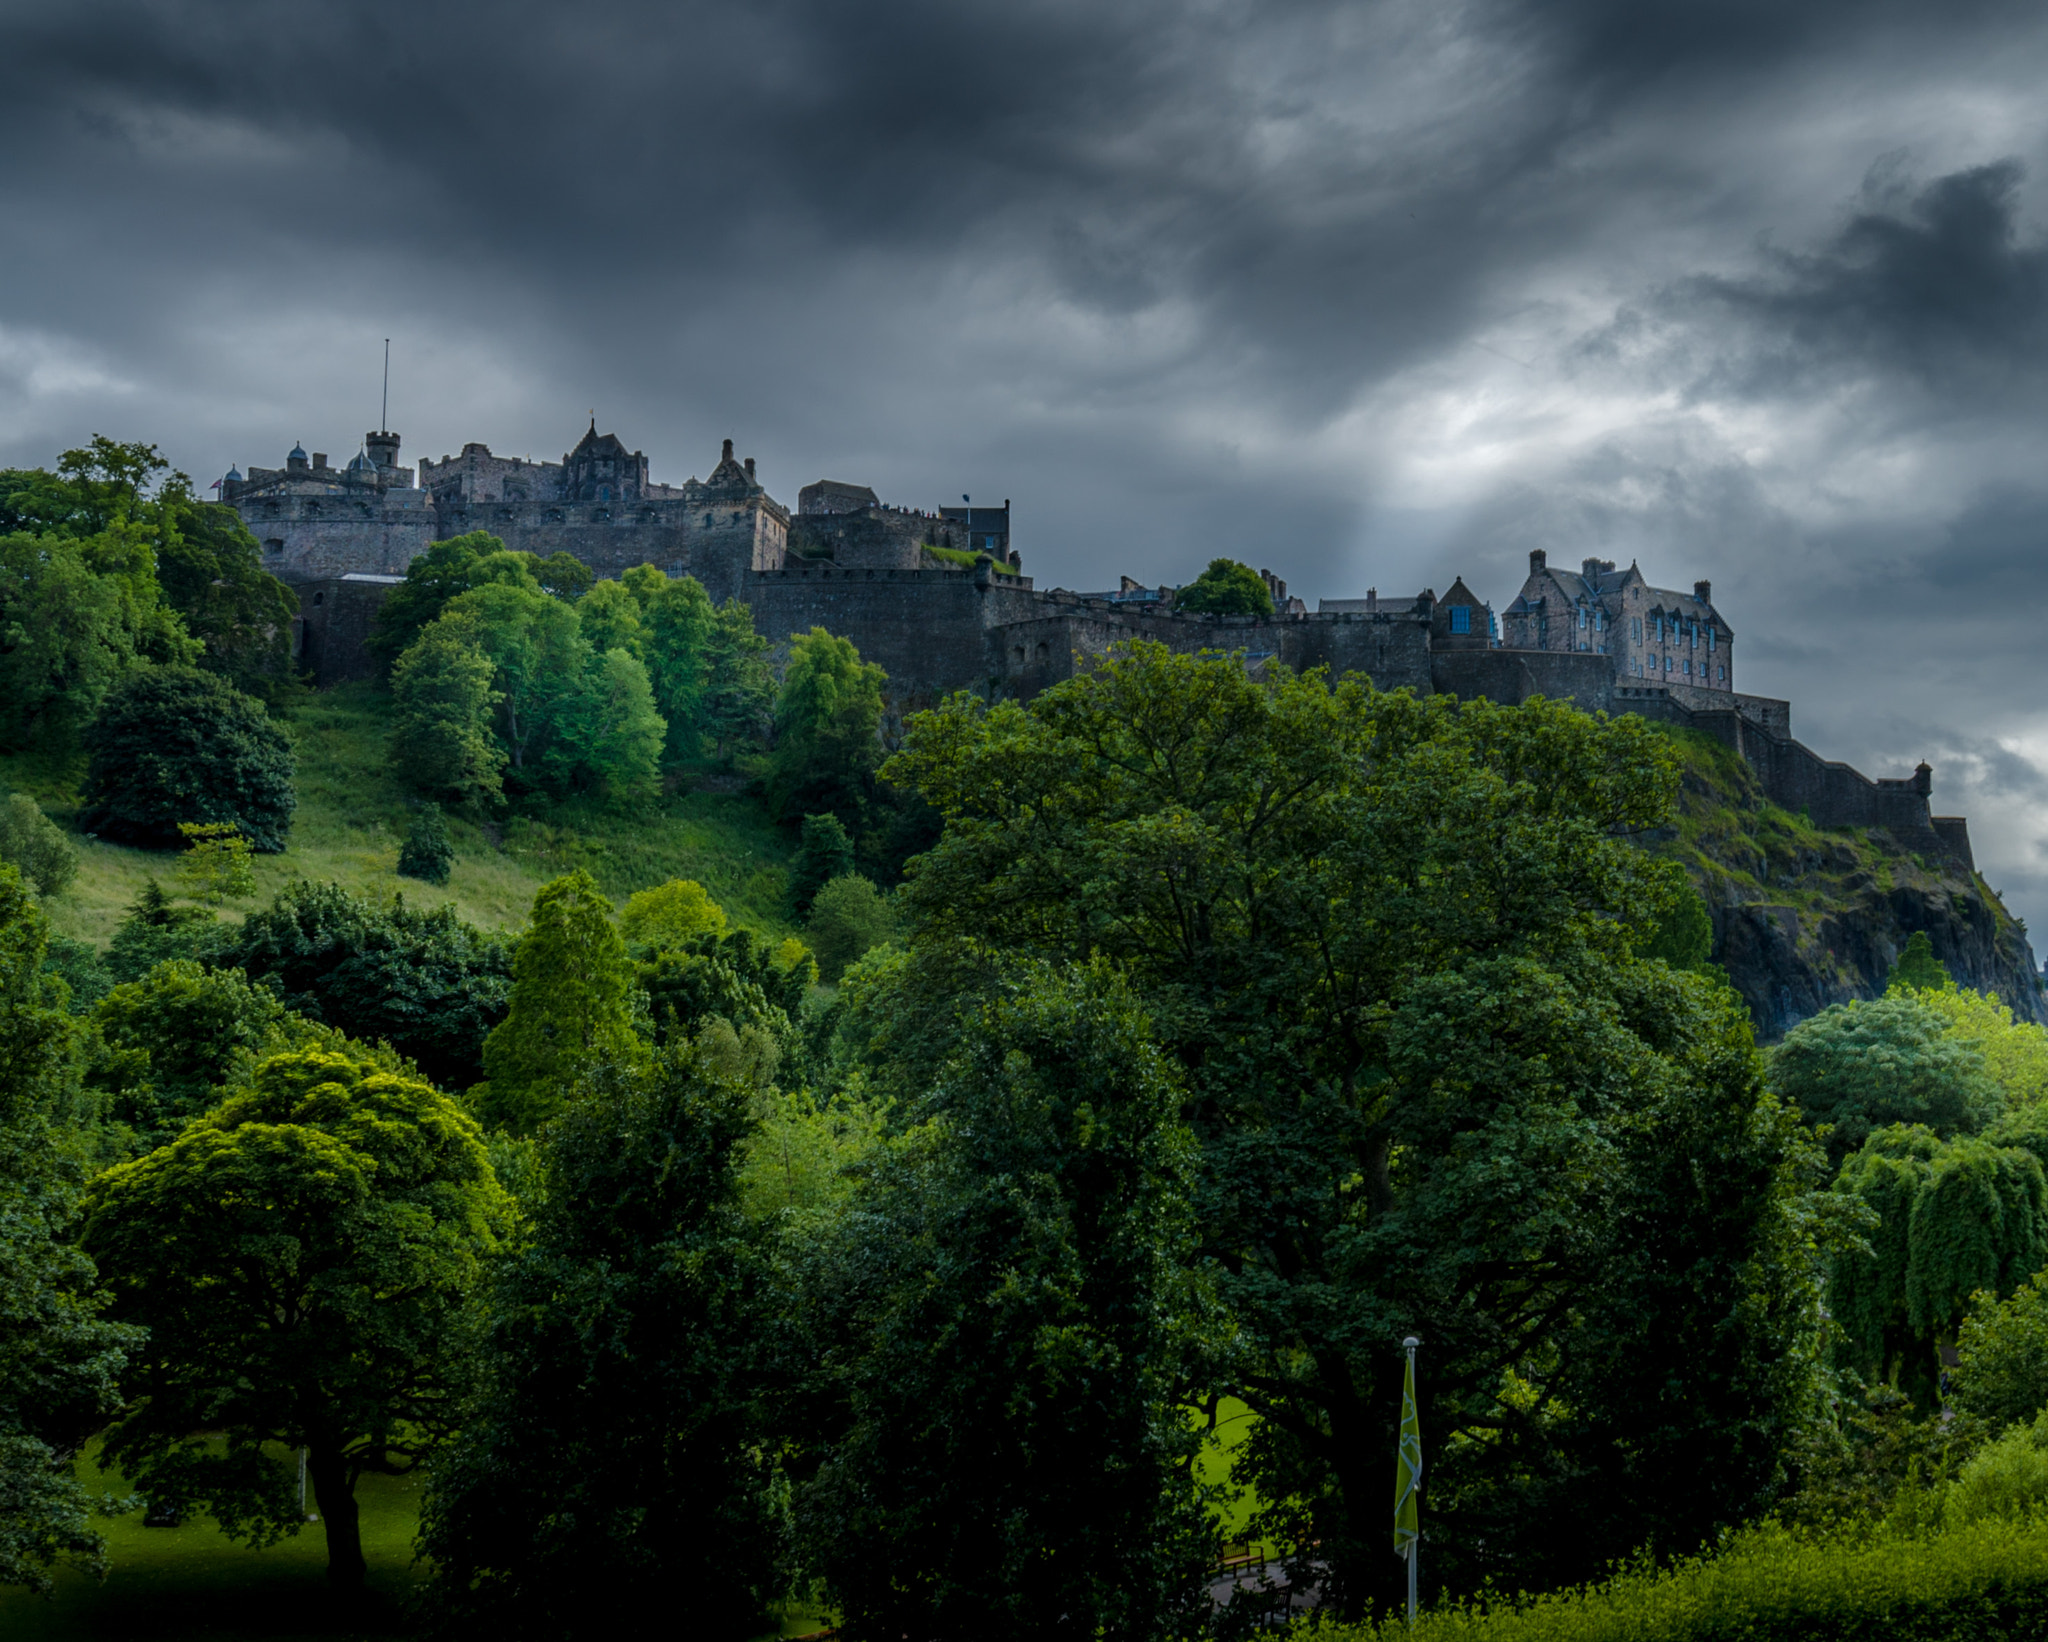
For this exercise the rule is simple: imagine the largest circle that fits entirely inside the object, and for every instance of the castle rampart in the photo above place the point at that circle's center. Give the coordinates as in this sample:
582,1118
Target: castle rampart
859,568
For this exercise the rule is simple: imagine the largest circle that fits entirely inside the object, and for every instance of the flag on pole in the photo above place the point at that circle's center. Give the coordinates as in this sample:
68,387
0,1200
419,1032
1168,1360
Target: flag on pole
1408,1467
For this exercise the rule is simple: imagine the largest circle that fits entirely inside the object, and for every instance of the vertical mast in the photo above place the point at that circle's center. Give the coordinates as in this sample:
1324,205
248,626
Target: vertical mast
384,415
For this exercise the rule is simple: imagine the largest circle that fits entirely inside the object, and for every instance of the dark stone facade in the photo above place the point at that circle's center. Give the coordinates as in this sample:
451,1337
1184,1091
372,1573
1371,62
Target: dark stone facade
850,564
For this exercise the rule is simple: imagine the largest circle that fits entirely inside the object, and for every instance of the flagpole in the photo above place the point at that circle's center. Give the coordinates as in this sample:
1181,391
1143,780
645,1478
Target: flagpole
1410,1346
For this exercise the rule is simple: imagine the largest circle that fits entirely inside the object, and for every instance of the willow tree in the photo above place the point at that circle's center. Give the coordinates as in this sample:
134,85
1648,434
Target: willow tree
1952,1218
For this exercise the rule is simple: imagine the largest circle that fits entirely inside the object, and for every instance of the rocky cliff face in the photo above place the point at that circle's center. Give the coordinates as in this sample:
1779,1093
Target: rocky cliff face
1805,917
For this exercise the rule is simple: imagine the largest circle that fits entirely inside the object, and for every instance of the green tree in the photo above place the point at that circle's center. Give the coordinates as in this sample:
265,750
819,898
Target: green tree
1226,588
60,1360
1918,969
569,1006
446,570
1685,937
427,853
824,852
608,616
609,735
426,983
76,618
176,745
300,1256
1952,1218
828,719
848,916
681,630
211,572
167,1044
155,930
2002,1352
739,690
1392,945
442,711
621,1450
35,846
671,915
1017,1322
215,866
2015,1052
561,575
1860,1066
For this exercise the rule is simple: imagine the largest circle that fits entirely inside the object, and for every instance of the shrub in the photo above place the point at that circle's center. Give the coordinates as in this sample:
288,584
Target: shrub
156,930
848,917
31,842
1226,588
825,853
216,867
1985,1582
2006,1478
671,915
427,854
174,745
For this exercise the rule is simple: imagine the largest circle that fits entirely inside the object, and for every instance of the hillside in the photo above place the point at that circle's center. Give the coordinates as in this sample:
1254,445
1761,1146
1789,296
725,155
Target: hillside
1805,917
353,815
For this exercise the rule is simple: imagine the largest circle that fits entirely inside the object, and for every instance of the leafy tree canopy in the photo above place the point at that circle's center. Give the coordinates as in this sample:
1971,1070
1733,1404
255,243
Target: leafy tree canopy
174,745
424,982
828,719
168,1043
156,929
443,710
1391,945
2002,1351
447,569
848,917
621,1449
2015,1052
35,846
671,915
570,1006
1010,1305
60,1360
1226,588
1860,1066
300,1256
824,852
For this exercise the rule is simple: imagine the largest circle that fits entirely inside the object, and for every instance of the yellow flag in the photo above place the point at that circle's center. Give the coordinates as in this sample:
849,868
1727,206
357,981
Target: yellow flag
1408,1469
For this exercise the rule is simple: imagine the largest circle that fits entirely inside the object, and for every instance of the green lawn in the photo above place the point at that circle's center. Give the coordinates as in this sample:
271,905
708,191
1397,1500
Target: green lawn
353,814
191,1584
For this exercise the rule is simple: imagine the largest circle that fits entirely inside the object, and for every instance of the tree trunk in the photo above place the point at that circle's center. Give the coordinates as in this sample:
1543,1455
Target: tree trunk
337,1503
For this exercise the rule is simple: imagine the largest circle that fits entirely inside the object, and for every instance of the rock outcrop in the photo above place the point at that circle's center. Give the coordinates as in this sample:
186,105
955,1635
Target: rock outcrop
1806,917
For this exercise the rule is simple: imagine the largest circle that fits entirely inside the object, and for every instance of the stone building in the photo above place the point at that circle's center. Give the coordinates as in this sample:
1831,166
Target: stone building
936,622
1653,633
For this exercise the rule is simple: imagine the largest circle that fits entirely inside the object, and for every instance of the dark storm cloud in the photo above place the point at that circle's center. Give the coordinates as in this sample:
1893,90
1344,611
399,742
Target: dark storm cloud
1370,293
1932,281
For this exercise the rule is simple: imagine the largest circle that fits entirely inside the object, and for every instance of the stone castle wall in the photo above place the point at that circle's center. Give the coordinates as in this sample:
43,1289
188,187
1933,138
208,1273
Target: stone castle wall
718,542
313,538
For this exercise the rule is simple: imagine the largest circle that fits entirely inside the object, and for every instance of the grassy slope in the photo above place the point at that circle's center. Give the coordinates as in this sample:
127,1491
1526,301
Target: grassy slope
353,815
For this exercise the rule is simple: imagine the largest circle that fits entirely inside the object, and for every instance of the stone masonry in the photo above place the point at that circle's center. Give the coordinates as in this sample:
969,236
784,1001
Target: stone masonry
1603,639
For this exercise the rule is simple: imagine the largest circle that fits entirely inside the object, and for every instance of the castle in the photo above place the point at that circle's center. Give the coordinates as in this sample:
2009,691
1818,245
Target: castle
939,599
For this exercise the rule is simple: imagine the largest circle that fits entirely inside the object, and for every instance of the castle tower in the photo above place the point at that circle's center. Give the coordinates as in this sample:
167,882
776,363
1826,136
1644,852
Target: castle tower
383,449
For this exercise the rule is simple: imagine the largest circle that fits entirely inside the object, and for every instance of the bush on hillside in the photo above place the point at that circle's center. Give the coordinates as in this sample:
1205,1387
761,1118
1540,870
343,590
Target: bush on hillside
32,843
174,745
427,853
671,915
825,853
848,918
426,983
155,930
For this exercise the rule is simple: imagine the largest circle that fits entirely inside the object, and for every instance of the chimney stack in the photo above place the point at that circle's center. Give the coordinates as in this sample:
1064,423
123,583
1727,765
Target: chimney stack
750,469
1703,591
1537,559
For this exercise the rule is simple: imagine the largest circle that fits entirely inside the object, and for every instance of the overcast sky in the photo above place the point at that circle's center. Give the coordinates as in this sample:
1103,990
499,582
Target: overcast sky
1370,294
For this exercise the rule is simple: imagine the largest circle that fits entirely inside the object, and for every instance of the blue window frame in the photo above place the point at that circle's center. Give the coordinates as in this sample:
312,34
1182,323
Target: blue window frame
1461,618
